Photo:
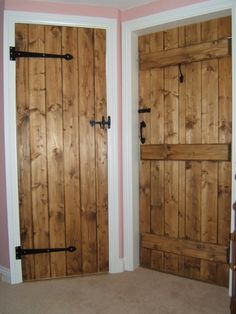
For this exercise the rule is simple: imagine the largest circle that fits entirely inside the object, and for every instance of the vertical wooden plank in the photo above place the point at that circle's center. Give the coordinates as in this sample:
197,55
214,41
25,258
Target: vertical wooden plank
193,103
171,263
208,271
37,94
55,149
225,100
171,38
224,27
192,268
87,151
157,197
157,137
182,200
210,101
224,202
225,134
71,149
156,101
222,274
171,198
182,140
171,134
192,135
193,86
209,189
182,37
157,260
209,135
145,166
209,30
193,200
101,149
145,257
193,34
23,150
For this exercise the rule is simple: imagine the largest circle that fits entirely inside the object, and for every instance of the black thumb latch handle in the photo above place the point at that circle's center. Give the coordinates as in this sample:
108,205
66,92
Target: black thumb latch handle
142,138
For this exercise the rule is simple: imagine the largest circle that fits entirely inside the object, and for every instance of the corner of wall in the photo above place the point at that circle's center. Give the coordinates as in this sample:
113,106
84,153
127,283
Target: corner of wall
4,256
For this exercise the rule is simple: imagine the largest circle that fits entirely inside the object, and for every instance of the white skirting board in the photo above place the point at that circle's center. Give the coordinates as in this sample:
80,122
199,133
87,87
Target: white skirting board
5,274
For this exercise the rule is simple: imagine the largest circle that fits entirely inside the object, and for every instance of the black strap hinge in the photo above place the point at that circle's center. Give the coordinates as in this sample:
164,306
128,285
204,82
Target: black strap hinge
27,54
21,252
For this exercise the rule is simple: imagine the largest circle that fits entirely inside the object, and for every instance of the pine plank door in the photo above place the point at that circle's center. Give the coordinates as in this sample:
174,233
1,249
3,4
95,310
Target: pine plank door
62,158
185,168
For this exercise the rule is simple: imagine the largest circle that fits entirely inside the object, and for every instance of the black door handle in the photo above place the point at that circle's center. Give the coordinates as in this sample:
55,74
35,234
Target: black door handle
142,125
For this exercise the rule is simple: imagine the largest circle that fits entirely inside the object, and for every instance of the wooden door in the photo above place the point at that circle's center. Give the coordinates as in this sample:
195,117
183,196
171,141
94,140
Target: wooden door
185,168
62,159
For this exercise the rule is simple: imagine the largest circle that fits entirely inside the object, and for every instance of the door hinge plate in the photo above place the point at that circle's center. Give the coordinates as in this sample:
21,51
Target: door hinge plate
27,54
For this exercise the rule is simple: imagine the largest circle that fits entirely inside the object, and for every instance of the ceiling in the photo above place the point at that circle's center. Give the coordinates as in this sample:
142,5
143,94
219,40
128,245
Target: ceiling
119,4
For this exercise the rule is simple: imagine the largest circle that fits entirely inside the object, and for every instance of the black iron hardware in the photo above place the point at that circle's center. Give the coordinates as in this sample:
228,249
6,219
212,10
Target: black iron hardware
103,123
142,125
27,54
228,255
181,76
143,110
21,252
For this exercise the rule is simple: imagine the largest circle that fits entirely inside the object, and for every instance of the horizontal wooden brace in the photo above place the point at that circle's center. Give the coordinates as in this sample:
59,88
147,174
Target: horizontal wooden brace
206,251
186,152
198,52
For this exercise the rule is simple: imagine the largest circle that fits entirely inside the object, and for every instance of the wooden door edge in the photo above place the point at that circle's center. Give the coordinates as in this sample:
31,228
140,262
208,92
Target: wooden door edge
233,305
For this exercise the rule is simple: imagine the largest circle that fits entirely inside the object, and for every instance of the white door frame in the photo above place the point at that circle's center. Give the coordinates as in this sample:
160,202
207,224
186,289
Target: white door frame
110,25
130,32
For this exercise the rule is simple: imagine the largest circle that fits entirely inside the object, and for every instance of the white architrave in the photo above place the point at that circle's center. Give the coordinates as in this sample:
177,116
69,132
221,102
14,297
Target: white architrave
110,25
130,32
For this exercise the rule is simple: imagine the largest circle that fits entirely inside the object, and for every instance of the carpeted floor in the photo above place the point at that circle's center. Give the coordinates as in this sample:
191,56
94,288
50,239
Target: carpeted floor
140,292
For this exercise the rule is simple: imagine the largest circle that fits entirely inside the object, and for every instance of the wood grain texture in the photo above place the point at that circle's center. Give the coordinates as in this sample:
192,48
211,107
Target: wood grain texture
186,152
171,128
101,148
190,164
206,251
23,151
55,152
87,152
62,159
145,167
38,146
198,52
71,150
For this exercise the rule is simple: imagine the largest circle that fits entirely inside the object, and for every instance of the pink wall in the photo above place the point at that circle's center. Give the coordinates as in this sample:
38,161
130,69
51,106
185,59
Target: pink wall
72,9
155,7
61,8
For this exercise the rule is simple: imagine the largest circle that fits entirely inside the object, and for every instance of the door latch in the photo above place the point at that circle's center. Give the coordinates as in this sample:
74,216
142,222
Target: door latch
103,123
142,138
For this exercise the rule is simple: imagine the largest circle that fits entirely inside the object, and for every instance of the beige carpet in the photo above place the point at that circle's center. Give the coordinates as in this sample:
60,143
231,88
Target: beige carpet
140,292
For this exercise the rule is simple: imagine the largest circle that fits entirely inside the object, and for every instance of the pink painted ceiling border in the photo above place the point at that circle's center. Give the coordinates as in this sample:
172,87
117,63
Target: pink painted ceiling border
156,7
61,8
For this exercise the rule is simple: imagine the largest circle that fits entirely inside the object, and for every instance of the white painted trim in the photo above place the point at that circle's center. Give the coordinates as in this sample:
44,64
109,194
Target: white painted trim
10,18
130,31
6,274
